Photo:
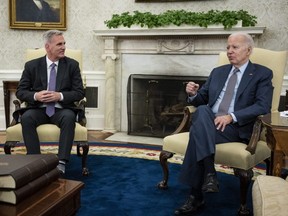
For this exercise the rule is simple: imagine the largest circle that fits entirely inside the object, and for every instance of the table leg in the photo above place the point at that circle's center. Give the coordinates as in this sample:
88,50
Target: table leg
277,163
8,87
281,149
6,105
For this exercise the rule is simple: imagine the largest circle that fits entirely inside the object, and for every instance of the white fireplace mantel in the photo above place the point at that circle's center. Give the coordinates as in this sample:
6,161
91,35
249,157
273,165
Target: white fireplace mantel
185,31
196,42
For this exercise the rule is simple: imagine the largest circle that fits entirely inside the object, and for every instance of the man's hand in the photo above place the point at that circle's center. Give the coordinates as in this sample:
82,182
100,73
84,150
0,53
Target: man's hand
222,121
47,96
192,88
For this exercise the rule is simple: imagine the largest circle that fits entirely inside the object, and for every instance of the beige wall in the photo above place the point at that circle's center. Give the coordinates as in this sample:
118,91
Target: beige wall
85,16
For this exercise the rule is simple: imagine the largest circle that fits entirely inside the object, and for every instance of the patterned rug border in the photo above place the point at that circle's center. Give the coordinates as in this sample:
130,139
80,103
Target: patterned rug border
130,150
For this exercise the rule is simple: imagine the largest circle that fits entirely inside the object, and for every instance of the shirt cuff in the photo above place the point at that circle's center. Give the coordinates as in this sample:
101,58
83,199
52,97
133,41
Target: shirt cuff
233,117
61,97
191,98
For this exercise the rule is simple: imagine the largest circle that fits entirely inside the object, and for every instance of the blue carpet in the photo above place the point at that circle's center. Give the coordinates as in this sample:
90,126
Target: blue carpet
121,186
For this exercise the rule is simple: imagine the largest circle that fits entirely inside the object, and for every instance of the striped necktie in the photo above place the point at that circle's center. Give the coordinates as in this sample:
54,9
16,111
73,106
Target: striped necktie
228,95
50,108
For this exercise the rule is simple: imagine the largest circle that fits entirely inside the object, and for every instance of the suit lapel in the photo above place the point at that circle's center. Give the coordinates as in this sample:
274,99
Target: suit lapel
60,73
221,79
43,72
246,78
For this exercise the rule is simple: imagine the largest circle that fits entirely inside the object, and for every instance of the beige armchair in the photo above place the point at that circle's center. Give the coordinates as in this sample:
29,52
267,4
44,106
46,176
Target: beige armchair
269,196
239,156
50,132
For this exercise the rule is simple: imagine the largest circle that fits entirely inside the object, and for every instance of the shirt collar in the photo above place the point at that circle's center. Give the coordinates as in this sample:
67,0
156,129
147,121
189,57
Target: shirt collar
243,67
49,62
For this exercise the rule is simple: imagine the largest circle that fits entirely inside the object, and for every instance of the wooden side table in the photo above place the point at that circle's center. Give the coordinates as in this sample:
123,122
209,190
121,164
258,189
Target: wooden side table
276,136
61,198
8,86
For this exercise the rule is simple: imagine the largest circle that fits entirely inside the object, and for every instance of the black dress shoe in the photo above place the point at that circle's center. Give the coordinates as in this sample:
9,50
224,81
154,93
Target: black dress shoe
210,184
192,205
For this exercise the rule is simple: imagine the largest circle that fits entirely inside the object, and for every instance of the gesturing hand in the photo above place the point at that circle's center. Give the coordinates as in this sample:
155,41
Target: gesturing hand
192,88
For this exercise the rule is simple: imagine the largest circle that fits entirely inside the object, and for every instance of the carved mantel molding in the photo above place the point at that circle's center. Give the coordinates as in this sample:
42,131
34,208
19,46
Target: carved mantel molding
185,31
195,40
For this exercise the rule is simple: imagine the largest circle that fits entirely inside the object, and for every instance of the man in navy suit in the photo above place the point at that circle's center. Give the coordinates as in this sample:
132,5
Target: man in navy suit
33,89
251,97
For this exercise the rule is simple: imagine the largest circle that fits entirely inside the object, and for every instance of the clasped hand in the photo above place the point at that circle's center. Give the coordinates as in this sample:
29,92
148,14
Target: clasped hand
47,96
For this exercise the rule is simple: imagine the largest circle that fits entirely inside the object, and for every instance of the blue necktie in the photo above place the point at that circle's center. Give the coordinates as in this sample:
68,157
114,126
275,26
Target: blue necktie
228,95
50,109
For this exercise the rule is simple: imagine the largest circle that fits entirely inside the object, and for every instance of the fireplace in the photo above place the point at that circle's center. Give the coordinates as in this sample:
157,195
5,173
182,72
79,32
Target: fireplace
173,52
155,103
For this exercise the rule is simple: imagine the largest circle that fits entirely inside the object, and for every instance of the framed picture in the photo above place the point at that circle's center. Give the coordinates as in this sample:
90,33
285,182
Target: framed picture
37,14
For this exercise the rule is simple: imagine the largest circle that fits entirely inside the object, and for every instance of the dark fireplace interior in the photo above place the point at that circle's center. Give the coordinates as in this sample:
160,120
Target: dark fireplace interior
155,103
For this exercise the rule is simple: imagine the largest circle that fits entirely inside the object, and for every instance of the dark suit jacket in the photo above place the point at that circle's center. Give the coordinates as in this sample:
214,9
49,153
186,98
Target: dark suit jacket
34,79
27,11
253,98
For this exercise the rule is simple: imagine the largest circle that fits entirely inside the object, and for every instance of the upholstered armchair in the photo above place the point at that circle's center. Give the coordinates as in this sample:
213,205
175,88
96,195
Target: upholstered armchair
50,132
239,156
269,196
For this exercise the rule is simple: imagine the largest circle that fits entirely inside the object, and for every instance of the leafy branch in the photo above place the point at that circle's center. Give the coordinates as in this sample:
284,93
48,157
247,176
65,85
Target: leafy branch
180,17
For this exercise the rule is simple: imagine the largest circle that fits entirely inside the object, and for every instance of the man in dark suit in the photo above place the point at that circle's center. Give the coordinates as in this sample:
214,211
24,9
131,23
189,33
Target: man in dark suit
251,96
35,11
34,90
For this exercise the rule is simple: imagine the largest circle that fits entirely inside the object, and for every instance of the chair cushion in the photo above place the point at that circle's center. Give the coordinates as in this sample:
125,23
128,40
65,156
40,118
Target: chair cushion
270,197
46,132
235,155
231,154
176,143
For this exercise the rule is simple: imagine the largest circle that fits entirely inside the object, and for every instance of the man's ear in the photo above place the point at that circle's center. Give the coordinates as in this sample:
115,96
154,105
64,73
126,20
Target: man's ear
249,49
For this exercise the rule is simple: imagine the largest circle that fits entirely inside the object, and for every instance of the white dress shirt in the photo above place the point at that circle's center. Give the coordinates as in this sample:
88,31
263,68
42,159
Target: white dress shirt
218,101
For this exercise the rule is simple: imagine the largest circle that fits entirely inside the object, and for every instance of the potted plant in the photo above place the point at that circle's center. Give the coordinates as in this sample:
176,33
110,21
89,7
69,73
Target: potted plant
181,17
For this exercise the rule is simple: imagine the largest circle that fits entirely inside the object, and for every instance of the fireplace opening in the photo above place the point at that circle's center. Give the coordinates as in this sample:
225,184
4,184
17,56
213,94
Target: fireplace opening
155,103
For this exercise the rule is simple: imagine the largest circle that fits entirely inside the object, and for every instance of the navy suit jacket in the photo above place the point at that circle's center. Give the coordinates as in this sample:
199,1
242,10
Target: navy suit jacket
253,97
34,79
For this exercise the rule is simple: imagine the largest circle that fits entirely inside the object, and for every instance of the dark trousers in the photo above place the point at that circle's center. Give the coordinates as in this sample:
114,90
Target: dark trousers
63,118
203,136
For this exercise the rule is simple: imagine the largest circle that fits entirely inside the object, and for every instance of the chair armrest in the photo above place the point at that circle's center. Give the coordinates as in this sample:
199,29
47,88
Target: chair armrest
17,104
257,128
81,104
186,121
81,118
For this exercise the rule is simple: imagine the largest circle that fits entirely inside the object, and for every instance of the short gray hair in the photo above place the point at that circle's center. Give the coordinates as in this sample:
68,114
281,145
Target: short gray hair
248,38
49,34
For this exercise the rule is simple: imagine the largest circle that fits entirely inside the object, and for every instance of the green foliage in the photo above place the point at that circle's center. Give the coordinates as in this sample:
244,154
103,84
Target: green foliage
179,17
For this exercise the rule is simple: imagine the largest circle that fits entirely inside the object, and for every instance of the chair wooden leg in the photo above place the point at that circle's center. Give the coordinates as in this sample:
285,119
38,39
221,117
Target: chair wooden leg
245,177
8,145
163,157
82,151
268,164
